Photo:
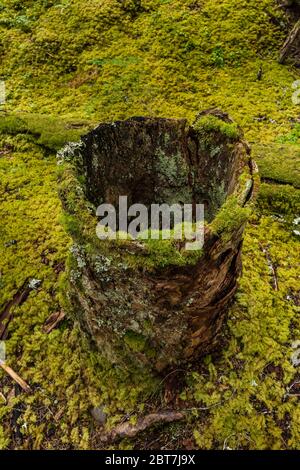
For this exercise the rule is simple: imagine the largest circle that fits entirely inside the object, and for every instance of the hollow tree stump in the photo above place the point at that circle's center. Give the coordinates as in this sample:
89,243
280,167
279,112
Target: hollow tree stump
156,305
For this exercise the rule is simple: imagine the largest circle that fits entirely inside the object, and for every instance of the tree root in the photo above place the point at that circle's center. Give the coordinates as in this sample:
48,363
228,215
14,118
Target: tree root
129,430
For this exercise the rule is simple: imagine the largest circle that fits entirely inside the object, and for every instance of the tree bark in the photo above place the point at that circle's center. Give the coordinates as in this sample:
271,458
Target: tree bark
291,44
139,308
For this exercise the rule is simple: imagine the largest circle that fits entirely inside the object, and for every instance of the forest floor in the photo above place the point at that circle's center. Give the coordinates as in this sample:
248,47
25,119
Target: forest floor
69,65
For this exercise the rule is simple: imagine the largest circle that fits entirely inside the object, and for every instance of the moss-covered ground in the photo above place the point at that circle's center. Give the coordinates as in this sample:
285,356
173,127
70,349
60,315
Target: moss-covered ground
69,64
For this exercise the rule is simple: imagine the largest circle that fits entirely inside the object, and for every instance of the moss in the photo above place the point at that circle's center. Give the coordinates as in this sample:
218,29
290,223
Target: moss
55,73
230,217
71,224
257,356
282,200
135,341
158,252
278,162
12,125
162,253
293,137
50,132
77,64
212,124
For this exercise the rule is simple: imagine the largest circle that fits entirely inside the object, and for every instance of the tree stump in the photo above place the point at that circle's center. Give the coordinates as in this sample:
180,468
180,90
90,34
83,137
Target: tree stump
156,305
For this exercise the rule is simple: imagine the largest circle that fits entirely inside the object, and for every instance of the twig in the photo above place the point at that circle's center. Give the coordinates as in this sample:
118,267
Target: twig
15,377
226,440
53,321
225,447
288,394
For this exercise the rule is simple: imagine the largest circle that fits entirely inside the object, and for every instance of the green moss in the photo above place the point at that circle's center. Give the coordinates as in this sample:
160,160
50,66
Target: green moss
50,132
211,124
12,125
293,137
230,218
282,200
137,65
162,253
135,341
158,252
71,224
278,162
257,355
76,64
138,343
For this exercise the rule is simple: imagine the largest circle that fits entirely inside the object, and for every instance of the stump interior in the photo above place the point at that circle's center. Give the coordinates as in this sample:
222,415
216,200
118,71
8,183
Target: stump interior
158,161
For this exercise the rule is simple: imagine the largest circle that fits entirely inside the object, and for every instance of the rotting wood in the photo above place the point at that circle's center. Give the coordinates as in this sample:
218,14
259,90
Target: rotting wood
137,310
131,430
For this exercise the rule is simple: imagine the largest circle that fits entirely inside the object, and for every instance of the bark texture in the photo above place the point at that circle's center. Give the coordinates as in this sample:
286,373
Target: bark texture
137,312
291,47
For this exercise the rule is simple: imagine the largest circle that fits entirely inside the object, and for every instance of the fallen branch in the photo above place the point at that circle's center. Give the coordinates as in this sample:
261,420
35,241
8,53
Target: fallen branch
15,377
130,430
53,321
